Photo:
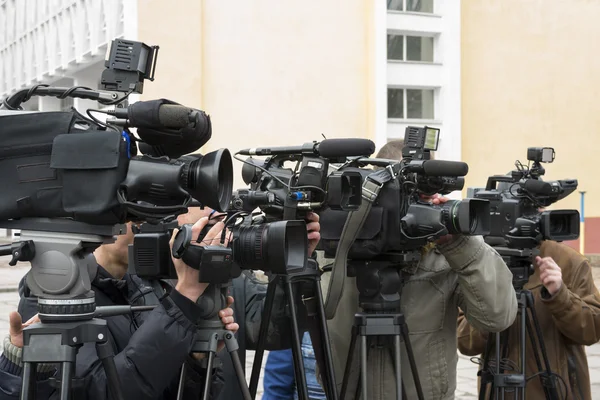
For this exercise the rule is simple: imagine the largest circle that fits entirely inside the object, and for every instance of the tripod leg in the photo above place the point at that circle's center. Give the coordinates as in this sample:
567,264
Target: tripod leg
106,355
297,345
262,337
329,373
363,367
65,380
208,378
181,385
483,372
28,386
550,392
398,361
233,348
349,361
412,362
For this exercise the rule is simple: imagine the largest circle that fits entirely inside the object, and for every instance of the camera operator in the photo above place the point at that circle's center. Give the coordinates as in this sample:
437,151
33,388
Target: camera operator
567,304
250,293
456,271
149,347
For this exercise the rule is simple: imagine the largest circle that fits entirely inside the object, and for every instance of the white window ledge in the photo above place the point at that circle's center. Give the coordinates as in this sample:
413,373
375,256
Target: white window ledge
420,14
414,62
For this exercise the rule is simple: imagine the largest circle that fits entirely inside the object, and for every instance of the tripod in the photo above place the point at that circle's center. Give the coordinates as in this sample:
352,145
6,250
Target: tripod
210,332
60,278
301,285
499,383
379,284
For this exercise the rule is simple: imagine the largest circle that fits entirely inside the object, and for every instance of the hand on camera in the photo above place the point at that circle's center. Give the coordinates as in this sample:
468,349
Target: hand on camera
438,199
227,320
187,277
550,274
16,326
313,227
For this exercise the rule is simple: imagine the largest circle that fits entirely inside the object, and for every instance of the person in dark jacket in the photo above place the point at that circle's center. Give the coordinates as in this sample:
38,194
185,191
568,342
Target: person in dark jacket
149,347
247,290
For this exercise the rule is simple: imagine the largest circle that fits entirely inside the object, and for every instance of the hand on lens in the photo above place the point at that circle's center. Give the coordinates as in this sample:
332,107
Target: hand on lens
227,320
438,199
313,227
188,278
16,326
550,274
193,215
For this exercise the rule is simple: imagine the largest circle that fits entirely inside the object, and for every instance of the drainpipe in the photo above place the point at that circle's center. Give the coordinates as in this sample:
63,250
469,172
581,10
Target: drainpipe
582,225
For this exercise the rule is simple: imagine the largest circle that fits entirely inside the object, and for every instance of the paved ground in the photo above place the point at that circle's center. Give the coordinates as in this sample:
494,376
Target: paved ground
467,371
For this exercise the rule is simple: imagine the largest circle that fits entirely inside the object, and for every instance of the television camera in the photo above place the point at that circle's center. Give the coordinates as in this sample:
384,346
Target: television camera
519,225
71,182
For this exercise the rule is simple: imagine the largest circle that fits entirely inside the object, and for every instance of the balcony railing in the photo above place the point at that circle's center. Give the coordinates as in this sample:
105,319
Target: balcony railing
42,40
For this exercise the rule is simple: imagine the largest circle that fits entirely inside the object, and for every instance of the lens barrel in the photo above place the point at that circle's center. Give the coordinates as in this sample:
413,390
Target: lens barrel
276,247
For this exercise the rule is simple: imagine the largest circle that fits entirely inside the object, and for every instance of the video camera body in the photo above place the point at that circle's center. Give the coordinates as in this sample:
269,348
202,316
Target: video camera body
68,178
516,204
288,194
401,218
519,223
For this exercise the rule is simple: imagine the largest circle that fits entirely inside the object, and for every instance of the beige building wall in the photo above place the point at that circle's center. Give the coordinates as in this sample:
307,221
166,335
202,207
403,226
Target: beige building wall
268,72
531,77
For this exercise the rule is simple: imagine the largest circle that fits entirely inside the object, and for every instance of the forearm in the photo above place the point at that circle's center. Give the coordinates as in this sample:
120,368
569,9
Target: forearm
11,371
485,290
577,317
151,360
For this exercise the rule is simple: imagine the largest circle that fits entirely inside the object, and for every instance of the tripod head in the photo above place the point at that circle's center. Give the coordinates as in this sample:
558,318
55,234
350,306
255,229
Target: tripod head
520,263
379,281
61,267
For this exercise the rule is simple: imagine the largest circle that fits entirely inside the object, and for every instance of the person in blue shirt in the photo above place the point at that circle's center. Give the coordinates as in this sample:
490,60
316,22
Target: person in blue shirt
278,379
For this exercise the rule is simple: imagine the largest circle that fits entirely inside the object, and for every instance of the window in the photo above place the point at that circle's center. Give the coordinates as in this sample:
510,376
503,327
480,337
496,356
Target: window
421,6
396,5
409,48
411,103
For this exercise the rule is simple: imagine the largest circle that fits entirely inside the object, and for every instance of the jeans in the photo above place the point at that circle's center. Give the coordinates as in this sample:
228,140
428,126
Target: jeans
279,381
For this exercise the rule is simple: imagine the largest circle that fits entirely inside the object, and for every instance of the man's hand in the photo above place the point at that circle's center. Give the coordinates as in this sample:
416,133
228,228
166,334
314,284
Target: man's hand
227,320
313,227
550,274
16,327
188,278
193,215
438,199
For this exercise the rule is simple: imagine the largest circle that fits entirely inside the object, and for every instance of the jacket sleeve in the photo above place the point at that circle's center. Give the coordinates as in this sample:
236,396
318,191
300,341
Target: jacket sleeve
575,307
279,332
471,342
485,292
150,362
11,381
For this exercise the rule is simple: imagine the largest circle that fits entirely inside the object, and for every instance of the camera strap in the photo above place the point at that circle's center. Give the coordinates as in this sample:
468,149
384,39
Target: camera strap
354,223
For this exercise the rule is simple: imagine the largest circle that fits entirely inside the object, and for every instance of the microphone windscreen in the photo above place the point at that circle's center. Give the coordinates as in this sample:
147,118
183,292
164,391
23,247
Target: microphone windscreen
174,116
334,148
445,168
538,187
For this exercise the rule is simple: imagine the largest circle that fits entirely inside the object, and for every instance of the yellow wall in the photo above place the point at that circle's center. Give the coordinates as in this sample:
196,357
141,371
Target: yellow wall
531,77
268,72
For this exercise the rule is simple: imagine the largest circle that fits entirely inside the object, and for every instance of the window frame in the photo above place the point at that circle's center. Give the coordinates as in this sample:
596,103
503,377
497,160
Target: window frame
405,11
404,89
405,35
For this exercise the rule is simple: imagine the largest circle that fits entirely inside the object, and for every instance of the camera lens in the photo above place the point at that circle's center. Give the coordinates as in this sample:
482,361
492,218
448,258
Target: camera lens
209,178
469,216
275,247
